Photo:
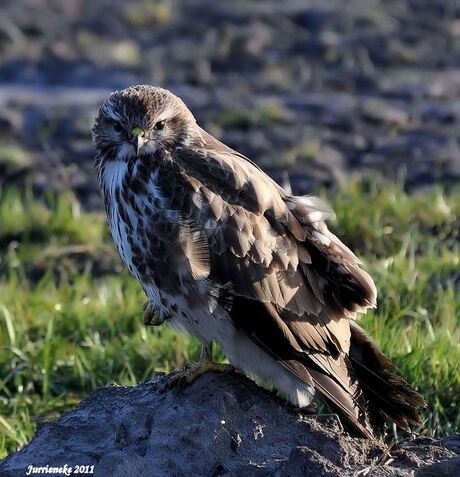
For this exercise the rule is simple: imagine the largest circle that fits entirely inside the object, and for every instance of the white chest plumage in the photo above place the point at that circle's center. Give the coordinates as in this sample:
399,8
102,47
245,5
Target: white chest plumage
114,174
125,237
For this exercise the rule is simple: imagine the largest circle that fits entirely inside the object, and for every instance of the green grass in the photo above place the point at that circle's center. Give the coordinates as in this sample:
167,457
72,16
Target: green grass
71,317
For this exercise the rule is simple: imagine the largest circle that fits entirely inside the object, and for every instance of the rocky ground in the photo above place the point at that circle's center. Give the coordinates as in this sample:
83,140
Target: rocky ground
221,425
319,89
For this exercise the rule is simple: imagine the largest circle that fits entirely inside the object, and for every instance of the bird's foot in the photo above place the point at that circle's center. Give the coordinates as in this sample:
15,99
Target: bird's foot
192,371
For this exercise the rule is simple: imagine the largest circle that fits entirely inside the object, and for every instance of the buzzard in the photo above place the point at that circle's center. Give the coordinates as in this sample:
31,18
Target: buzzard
227,255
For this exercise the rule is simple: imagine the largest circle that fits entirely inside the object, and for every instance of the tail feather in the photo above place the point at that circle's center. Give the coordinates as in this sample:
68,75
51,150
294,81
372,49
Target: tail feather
364,387
361,385
364,382
340,400
387,395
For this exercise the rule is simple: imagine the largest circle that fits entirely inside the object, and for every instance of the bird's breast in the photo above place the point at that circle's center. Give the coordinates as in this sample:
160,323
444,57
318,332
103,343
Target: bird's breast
147,231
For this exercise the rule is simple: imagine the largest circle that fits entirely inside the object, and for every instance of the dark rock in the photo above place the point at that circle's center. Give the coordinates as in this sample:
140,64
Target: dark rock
452,443
448,468
220,425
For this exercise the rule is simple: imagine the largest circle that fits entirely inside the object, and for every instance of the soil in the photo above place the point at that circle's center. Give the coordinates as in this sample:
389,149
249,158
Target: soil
321,90
220,425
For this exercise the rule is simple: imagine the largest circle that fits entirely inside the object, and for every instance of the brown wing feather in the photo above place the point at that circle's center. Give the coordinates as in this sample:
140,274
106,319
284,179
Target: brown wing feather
332,376
298,283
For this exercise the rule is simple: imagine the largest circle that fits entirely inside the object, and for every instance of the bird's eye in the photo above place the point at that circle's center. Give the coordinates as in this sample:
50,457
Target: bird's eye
117,127
159,126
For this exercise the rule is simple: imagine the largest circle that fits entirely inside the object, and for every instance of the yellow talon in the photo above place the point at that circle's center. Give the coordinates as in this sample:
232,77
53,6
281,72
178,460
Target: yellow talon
192,371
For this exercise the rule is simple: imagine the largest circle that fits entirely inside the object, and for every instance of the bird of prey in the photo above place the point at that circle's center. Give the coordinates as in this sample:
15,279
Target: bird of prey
227,255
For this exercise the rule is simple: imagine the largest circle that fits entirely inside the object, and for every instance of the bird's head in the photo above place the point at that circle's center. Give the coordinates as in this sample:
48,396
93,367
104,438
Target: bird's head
140,120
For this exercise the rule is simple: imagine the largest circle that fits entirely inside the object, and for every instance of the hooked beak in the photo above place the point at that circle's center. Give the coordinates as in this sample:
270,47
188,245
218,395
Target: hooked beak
138,143
138,140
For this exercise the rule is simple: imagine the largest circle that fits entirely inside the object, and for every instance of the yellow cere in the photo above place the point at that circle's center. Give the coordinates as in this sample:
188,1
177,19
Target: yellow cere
137,131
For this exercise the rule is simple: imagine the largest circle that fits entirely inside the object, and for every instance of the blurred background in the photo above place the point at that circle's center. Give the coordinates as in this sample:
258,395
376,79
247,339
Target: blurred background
358,101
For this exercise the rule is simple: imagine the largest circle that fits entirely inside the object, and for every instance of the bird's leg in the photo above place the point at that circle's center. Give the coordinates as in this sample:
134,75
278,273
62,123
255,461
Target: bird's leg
193,371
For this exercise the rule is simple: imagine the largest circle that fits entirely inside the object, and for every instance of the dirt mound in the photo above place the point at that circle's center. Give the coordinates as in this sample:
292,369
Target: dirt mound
221,425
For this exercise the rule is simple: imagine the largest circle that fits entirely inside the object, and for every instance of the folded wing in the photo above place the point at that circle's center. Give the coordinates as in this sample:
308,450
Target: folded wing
295,287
